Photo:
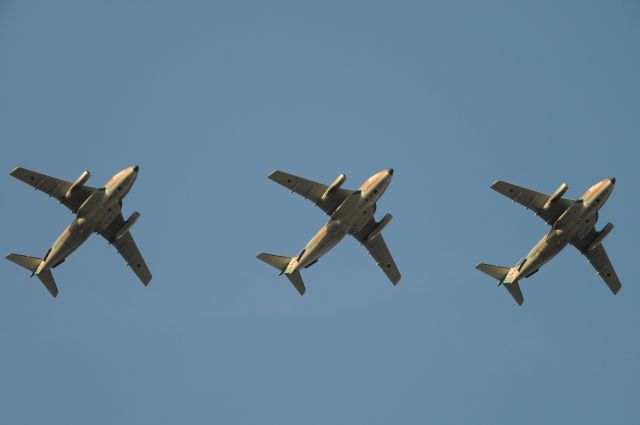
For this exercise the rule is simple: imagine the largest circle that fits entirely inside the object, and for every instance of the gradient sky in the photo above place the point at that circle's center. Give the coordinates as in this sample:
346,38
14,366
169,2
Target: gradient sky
210,97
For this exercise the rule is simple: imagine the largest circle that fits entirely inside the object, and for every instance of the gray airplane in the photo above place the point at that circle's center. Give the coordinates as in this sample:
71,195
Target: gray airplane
97,210
573,222
352,213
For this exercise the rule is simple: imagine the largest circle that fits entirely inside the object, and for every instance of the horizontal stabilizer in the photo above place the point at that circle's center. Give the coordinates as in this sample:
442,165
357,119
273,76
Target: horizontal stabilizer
31,264
495,272
276,261
296,279
500,274
281,264
47,280
514,290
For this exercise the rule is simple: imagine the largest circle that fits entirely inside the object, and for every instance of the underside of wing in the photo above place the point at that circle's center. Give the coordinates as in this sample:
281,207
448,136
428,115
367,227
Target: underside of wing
379,251
599,259
312,191
534,201
54,187
127,248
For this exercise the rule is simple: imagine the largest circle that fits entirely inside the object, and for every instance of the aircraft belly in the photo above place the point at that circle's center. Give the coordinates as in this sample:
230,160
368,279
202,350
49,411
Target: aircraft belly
90,204
321,246
65,245
110,214
101,216
355,215
99,210
536,261
541,254
349,208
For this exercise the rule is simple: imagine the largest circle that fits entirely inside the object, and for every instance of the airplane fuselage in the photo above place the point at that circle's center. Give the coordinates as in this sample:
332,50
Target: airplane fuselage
573,224
94,215
351,216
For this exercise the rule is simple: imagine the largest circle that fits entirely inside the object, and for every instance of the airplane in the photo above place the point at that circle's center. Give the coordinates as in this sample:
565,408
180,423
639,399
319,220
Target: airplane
572,222
96,210
351,212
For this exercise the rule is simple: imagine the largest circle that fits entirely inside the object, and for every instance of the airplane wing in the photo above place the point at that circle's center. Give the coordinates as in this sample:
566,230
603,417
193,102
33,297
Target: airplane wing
379,251
311,190
54,187
127,248
599,260
533,200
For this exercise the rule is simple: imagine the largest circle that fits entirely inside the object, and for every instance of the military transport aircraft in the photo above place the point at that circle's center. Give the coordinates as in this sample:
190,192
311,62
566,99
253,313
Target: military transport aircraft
351,214
96,210
573,222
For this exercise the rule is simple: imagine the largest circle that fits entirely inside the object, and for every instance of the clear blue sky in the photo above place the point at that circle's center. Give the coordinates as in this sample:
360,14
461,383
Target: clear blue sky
208,98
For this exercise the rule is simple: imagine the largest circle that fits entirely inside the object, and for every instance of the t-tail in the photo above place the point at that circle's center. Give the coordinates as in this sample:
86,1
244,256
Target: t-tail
32,264
281,264
504,279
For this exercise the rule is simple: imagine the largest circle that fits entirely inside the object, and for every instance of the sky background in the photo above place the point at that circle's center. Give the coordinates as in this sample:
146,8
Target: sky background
210,97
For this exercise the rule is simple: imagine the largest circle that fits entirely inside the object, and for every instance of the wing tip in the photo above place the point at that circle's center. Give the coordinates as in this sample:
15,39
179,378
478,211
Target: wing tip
495,184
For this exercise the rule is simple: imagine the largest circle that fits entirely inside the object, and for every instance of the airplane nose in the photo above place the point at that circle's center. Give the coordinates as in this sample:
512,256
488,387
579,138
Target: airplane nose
612,180
390,171
136,168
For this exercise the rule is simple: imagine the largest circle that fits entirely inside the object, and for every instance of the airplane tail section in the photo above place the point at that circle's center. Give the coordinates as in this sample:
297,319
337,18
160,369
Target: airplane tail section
281,264
32,264
296,280
501,274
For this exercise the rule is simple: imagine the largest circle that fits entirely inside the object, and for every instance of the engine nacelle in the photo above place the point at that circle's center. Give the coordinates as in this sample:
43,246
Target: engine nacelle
335,185
127,225
378,229
78,183
556,195
601,235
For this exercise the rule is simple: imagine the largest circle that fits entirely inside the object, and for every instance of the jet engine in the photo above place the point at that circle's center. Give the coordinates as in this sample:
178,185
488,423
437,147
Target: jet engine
127,225
555,196
378,229
601,235
332,188
78,183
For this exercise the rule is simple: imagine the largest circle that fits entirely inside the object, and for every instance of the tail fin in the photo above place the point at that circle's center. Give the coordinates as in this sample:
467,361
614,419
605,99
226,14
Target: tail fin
281,264
500,273
31,264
